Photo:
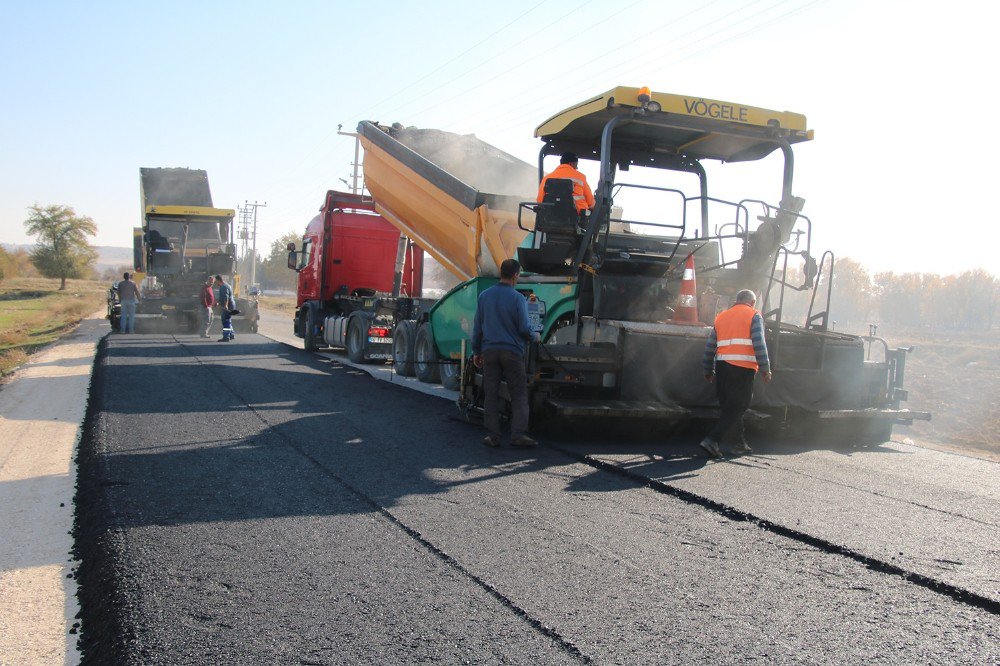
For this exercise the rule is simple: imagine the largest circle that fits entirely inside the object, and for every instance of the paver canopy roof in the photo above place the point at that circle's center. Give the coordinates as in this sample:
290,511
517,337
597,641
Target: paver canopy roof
675,125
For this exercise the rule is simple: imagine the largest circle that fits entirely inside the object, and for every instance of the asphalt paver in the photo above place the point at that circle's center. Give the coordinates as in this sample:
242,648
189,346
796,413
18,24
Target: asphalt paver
251,503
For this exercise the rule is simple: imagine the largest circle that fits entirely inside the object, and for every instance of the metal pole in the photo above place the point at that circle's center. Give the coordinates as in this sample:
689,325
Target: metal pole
253,252
356,163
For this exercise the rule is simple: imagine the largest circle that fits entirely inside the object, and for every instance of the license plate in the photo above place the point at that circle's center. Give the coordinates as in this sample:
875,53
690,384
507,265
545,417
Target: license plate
385,357
379,341
167,307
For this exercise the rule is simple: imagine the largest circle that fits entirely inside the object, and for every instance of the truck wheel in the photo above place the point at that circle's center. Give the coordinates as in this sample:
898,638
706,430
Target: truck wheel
357,333
425,356
308,339
403,348
450,375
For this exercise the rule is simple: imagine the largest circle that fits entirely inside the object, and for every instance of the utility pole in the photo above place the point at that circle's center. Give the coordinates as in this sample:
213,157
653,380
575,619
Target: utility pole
243,230
356,164
245,212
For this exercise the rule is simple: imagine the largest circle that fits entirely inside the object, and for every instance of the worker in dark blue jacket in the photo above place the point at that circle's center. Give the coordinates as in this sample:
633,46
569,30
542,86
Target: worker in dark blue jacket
499,334
226,304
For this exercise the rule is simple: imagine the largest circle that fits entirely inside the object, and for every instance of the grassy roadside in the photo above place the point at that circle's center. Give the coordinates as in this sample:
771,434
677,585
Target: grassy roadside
284,303
34,313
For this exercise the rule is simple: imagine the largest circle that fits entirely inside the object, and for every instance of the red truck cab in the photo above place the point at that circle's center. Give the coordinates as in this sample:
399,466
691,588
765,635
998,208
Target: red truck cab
350,249
348,265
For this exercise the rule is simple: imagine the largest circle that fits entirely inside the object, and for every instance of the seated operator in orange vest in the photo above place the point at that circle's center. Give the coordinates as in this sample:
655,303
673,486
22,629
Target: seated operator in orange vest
734,352
583,197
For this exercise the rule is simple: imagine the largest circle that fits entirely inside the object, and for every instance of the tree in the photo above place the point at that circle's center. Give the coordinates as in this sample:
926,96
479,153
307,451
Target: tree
8,265
273,272
853,293
61,247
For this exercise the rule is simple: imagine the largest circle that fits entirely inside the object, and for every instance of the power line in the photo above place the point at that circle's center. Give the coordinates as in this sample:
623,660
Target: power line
532,111
536,57
483,63
619,73
477,44
323,142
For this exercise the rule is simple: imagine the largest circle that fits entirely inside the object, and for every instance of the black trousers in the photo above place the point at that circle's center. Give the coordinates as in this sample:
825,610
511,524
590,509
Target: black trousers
734,388
501,364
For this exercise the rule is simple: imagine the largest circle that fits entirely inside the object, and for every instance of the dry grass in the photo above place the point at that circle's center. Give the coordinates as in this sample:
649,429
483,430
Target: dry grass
34,313
956,376
281,303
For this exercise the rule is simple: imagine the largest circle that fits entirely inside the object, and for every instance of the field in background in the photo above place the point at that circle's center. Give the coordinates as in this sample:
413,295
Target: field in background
282,303
956,376
34,313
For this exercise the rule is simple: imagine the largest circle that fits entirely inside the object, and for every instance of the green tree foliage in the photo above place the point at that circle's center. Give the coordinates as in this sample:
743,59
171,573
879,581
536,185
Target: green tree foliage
273,272
61,250
15,263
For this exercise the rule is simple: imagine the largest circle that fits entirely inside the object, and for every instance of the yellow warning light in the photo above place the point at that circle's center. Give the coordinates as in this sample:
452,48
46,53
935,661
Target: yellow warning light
644,95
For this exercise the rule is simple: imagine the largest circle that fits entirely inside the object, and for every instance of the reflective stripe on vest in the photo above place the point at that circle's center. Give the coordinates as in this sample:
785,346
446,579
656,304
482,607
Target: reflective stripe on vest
732,328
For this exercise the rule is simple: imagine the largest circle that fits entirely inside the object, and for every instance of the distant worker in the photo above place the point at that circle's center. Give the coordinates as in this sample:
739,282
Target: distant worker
735,351
499,332
129,297
207,301
226,306
583,197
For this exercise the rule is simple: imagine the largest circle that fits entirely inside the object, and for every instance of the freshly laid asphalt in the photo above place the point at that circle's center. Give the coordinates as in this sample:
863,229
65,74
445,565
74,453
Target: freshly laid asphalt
252,503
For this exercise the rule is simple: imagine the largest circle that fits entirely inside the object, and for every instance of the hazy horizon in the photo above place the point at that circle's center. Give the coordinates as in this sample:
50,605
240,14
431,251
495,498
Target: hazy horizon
254,94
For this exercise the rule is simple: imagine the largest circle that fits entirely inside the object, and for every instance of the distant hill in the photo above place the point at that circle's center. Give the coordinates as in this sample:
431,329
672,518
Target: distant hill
108,256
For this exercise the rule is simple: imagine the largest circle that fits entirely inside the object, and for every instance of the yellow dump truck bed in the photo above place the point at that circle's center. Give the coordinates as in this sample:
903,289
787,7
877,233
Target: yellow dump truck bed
454,195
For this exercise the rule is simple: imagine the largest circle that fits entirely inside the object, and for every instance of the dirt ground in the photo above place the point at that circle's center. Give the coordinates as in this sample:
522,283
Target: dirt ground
956,376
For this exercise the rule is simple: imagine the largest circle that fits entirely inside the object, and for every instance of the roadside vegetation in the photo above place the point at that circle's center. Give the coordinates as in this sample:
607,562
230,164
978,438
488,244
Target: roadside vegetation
282,303
35,312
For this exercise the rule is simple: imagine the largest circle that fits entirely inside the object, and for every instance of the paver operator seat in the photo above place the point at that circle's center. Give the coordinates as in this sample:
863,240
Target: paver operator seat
557,231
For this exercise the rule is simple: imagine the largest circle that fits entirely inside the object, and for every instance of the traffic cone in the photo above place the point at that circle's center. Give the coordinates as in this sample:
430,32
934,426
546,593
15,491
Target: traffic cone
687,303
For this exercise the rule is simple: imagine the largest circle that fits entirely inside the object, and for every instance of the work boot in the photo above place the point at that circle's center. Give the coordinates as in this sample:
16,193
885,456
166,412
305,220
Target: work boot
741,449
711,448
492,441
523,442
223,339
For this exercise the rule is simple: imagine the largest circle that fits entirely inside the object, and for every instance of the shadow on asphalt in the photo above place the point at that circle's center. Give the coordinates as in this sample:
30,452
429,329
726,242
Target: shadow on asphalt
198,430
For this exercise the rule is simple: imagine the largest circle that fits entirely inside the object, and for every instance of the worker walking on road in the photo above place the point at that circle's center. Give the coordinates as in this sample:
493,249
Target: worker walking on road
583,197
735,351
207,301
226,306
129,297
499,333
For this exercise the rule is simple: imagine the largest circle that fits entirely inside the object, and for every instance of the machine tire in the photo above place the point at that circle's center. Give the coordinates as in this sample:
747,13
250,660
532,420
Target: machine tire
450,375
357,332
308,340
425,356
403,348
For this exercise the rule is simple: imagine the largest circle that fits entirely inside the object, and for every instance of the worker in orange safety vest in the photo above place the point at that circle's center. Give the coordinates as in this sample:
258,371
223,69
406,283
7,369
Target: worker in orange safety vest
583,196
734,352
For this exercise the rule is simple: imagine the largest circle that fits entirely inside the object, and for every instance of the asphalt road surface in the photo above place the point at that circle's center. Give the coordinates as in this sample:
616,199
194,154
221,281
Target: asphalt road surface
252,503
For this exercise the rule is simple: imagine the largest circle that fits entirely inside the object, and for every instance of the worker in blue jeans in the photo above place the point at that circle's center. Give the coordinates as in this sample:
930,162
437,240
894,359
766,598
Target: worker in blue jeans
129,297
226,306
499,334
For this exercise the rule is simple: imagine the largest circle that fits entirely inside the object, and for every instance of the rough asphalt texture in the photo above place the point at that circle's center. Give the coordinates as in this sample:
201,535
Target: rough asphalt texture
251,503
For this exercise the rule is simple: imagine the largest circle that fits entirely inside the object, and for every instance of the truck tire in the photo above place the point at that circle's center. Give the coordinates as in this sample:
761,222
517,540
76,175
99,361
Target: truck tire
403,348
450,375
425,356
357,336
308,339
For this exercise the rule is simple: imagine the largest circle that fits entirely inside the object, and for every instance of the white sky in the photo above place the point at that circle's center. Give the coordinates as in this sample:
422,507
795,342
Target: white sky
901,96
